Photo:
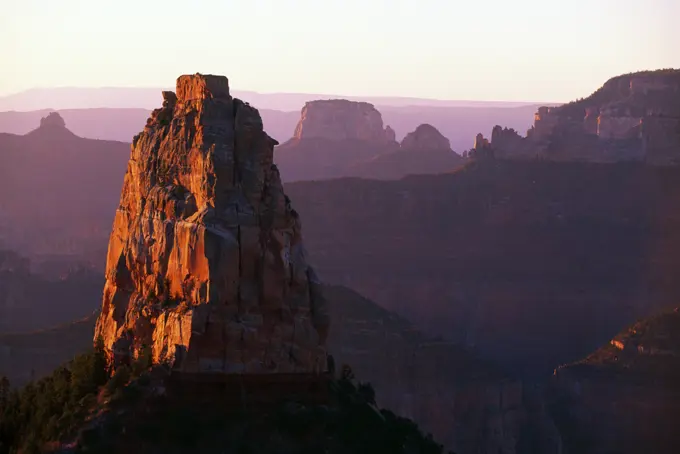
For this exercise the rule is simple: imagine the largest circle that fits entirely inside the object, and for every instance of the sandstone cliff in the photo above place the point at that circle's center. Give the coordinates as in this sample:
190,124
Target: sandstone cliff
633,117
206,263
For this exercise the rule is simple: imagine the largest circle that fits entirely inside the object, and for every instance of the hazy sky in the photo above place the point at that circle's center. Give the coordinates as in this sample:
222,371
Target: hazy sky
535,50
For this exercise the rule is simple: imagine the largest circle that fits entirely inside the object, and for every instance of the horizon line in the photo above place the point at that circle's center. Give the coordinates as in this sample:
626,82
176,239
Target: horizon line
265,93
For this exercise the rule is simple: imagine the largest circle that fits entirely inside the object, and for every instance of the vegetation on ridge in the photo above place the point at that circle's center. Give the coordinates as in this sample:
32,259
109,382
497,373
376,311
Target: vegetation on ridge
646,350
80,402
606,95
52,407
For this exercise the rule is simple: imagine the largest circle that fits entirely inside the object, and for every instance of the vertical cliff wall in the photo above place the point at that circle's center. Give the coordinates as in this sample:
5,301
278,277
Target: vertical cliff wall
206,264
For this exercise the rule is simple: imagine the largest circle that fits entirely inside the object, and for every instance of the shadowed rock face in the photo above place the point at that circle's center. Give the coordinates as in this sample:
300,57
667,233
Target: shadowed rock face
205,262
423,151
53,120
425,138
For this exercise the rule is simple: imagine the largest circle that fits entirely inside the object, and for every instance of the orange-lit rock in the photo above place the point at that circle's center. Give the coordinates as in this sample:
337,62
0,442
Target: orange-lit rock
206,263
590,120
481,143
545,121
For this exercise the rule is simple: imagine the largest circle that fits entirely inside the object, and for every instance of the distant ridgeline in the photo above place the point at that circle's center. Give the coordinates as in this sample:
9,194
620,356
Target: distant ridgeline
633,117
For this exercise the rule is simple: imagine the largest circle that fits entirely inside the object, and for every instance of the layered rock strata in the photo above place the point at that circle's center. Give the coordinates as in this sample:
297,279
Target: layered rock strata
633,117
206,265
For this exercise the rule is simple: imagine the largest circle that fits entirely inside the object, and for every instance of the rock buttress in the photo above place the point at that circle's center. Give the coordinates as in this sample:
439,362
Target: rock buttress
206,264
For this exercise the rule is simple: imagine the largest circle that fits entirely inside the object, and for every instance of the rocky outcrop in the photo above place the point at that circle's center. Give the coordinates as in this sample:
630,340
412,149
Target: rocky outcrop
52,120
612,124
423,151
481,142
425,138
390,134
52,129
340,119
625,396
630,118
482,148
508,142
545,121
206,263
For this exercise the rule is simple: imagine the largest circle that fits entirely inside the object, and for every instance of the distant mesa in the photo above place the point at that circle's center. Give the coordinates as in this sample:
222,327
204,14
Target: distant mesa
52,120
331,137
633,117
52,127
425,138
340,119
340,138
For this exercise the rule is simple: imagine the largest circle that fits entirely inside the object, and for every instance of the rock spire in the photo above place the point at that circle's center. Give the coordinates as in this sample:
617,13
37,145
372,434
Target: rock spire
206,265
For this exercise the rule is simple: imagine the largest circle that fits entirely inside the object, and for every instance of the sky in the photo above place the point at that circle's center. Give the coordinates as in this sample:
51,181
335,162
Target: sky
493,50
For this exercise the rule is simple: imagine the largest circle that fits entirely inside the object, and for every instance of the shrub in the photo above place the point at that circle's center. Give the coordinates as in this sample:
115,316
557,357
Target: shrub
52,407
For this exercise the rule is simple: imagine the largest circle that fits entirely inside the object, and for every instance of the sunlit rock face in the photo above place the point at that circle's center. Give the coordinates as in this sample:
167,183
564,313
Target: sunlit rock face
206,264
